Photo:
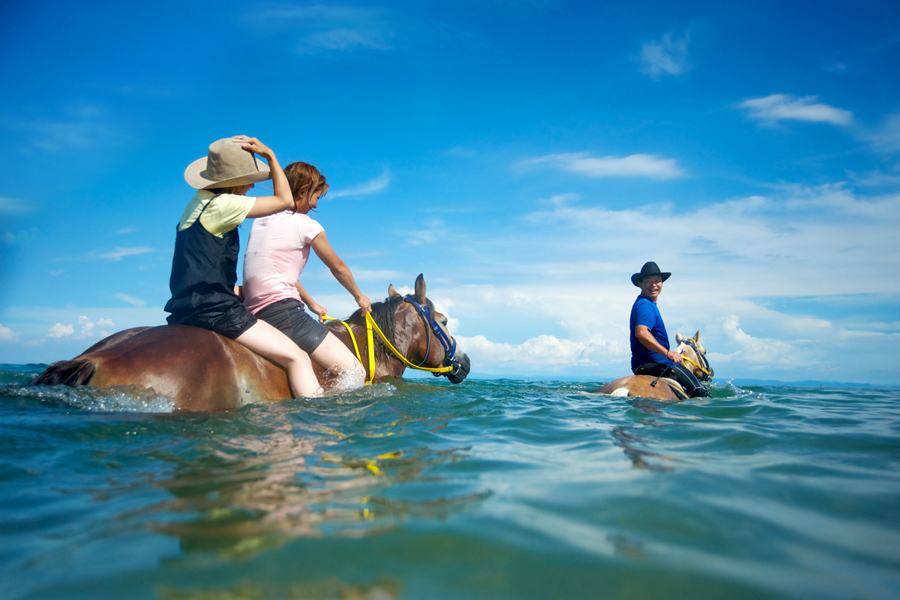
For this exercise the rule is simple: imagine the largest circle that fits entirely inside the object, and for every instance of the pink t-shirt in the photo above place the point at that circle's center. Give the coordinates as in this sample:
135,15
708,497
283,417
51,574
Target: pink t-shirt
277,251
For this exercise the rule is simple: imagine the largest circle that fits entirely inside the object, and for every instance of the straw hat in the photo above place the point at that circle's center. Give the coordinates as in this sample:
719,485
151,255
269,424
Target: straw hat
226,165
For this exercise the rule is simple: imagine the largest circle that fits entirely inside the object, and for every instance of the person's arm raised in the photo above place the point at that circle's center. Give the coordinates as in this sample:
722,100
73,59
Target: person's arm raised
282,198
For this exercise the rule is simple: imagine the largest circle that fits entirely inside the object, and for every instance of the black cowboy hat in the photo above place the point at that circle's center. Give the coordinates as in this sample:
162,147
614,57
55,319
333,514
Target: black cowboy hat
647,270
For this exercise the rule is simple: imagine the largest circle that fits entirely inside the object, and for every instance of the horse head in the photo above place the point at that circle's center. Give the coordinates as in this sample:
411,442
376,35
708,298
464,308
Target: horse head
431,345
696,353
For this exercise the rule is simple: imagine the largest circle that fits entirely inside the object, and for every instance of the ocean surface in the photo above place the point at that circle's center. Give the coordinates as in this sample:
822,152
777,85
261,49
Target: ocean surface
424,490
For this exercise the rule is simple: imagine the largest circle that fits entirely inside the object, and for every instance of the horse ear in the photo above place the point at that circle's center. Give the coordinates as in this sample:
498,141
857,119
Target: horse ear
420,289
697,336
392,292
678,337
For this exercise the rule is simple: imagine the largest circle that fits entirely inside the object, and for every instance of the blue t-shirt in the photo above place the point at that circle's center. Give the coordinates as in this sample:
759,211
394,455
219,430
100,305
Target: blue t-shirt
645,312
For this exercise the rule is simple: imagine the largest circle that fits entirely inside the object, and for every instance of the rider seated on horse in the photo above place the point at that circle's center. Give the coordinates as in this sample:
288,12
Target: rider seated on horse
650,354
277,252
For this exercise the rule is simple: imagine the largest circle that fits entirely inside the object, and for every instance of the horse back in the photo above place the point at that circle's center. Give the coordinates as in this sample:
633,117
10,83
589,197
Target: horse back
634,386
196,368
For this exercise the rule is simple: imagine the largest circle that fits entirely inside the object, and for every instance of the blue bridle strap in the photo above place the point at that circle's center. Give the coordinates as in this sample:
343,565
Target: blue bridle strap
446,341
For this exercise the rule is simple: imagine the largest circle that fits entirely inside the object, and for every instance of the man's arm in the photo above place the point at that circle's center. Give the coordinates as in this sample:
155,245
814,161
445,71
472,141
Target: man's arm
643,335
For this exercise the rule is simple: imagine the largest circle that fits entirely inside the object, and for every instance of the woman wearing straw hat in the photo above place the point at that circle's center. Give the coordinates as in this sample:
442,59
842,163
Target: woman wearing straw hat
204,266
277,251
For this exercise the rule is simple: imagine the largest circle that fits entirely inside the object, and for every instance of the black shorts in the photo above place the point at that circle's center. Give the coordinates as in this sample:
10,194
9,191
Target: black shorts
229,319
290,317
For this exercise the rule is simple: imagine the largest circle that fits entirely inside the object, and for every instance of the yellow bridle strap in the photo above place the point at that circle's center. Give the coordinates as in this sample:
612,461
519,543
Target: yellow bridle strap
356,348
704,371
370,326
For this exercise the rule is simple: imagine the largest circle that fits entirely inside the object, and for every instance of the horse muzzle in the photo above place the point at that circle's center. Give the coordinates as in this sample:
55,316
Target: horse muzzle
461,365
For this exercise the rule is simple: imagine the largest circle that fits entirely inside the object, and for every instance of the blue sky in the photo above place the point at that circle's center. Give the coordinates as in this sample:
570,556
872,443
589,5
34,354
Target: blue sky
526,156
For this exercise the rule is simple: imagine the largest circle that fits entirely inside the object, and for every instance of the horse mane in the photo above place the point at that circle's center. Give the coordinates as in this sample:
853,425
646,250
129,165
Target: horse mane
383,314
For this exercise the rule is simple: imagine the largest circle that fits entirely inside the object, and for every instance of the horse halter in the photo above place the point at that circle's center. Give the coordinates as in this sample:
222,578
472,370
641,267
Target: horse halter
704,364
447,342
454,368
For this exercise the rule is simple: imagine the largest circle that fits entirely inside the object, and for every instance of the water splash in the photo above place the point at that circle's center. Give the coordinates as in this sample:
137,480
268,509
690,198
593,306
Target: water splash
124,398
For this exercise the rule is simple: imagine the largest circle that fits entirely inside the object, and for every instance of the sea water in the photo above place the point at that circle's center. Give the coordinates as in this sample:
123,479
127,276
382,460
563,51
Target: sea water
422,489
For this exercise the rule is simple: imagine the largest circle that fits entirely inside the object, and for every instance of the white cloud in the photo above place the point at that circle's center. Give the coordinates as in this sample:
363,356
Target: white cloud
372,186
15,206
83,126
755,274
772,352
7,334
886,138
59,330
130,300
636,165
786,107
120,253
333,28
344,40
87,329
667,56
15,238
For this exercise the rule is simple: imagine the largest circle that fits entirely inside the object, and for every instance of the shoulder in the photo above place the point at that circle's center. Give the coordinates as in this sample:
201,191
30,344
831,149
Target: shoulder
645,308
307,226
227,203
225,212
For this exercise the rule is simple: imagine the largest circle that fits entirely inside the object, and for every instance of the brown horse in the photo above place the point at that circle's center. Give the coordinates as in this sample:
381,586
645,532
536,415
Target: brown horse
199,370
646,386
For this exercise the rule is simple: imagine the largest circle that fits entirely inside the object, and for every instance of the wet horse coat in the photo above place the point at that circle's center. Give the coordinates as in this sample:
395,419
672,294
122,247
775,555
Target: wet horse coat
202,371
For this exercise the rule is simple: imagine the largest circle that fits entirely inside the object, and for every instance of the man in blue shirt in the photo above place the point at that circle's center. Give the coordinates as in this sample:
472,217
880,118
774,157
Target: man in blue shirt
650,354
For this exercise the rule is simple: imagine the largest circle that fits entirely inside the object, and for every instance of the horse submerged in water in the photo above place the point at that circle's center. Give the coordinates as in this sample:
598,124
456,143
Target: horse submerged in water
199,370
647,386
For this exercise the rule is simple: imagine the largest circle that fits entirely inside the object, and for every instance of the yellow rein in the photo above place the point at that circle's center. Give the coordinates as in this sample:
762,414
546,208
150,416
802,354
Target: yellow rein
704,371
371,326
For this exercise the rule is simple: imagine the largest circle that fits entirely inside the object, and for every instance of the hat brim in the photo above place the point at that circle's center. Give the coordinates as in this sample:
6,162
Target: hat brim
636,278
195,175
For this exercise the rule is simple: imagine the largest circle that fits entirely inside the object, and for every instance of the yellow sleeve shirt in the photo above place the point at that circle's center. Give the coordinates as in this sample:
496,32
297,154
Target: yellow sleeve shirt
225,213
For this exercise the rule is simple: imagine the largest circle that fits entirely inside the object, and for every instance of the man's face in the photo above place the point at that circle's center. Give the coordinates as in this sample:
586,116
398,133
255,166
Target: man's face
651,286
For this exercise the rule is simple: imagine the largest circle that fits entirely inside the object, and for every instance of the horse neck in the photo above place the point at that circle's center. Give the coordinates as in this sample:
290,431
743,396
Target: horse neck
386,364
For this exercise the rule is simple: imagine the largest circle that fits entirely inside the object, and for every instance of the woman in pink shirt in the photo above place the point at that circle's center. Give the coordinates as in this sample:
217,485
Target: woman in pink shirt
277,251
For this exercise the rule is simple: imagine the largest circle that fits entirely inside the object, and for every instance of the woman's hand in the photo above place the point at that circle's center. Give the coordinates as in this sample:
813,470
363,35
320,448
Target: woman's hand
253,145
363,302
317,309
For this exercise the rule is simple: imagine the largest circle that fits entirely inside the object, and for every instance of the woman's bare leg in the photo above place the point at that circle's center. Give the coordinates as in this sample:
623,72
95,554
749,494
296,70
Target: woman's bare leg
332,355
264,339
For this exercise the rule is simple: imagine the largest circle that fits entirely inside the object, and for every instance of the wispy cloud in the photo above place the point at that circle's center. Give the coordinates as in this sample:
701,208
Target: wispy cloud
779,107
79,127
343,40
666,56
130,300
373,186
11,238
14,206
636,165
326,29
120,253
886,138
